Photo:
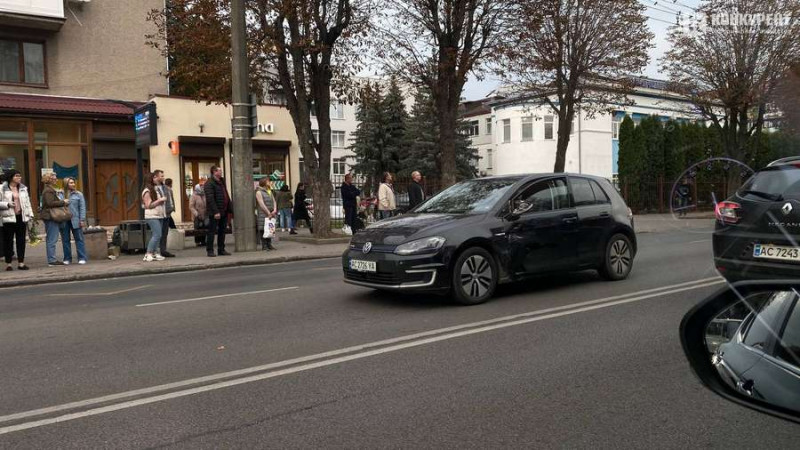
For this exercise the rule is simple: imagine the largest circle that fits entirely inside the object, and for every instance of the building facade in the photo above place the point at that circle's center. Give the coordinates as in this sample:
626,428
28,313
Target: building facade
71,74
519,134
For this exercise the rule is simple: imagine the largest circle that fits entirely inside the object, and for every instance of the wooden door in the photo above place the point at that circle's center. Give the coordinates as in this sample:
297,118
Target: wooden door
116,191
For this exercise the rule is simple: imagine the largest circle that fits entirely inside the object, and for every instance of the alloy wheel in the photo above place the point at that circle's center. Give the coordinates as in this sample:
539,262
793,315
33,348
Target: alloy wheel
476,276
620,257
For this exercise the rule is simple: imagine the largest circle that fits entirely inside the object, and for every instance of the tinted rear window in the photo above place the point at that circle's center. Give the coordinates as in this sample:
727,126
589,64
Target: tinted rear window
780,180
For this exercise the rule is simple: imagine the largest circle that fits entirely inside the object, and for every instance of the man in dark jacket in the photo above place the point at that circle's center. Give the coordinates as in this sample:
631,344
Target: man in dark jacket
349,194
416,194
218,206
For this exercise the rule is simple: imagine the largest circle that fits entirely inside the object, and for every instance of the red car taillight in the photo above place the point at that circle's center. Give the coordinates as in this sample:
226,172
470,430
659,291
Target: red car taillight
726,212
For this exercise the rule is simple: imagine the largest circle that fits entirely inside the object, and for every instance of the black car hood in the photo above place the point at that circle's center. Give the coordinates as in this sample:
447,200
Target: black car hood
396,230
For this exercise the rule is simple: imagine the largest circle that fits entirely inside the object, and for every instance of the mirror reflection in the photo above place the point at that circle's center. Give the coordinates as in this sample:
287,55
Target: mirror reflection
755,347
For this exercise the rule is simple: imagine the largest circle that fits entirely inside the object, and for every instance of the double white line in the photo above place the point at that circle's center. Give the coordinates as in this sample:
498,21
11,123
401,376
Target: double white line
130,399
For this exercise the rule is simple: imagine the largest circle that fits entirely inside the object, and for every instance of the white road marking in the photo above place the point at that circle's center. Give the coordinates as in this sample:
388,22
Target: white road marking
415,341
211,297
102,294
701,240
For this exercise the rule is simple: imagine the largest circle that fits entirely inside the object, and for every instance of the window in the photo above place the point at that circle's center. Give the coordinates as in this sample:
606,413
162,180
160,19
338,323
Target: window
302,171
582,192
339,166
600,195
762,325
548,127
506,130
22,62
527,129
473,128
315,133
615,121
337,139
789,346
489,159
545,196
489,125
337,110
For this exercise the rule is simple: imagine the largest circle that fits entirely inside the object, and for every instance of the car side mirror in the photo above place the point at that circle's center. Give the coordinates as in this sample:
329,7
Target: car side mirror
743,343
521,209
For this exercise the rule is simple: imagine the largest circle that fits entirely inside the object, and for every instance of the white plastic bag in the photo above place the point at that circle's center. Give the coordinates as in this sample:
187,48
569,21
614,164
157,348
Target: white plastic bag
347,231
269,228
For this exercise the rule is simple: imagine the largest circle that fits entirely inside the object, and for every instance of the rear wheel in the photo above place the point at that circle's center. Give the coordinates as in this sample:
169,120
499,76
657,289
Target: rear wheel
474,276
617,259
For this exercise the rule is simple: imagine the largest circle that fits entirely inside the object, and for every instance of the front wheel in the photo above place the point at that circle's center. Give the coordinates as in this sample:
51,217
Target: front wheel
617,259
474,276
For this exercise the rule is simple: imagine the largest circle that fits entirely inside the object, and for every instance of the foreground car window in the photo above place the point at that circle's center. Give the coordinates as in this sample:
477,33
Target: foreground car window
469,197
774,182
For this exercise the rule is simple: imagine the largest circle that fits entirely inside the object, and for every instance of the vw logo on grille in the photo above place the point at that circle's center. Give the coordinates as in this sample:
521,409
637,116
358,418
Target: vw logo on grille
787,209
367,247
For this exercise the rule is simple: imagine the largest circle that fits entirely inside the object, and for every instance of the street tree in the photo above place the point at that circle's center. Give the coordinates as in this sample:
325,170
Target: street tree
575,55
730,65
306,50
436,45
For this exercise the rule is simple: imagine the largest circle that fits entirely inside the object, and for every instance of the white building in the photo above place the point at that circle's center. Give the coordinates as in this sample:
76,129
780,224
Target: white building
519,134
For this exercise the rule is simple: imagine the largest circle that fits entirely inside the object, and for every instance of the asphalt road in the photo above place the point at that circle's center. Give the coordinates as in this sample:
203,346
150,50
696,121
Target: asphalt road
288,356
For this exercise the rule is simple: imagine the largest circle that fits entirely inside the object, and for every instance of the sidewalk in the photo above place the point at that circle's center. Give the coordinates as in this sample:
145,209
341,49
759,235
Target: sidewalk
661,223
192,258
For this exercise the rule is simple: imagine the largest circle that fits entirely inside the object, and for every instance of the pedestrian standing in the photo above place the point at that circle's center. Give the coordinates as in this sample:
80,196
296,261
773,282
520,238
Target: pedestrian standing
53,222
197,205
386,200
300,209
154,213
16,211
219,206
267,209
349,195
416,194
684,193
74,226
284,199
170,203
169,208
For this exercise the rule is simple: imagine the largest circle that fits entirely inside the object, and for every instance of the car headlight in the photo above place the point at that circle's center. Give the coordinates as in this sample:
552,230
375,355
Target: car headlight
426,245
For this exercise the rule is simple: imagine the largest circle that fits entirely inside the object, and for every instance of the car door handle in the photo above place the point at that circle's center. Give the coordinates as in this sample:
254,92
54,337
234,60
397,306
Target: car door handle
570,220
605,214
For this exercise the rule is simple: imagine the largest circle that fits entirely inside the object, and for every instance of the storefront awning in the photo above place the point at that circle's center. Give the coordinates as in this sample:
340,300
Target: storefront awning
70,106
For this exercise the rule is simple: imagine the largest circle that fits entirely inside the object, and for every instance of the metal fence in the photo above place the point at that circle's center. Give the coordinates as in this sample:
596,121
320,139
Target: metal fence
659,196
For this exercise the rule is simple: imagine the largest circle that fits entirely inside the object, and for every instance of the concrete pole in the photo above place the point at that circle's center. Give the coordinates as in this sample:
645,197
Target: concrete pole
244,227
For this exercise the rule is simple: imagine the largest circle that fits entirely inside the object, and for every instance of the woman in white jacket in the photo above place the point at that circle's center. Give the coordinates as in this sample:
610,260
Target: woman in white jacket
386,200
15,218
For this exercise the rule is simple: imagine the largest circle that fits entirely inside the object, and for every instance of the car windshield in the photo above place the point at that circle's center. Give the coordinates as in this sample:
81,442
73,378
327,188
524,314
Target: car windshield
774,183
469,197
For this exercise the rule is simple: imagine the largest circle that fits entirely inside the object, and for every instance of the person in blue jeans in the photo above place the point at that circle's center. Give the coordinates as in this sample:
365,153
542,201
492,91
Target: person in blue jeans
153,202
51,201
77,207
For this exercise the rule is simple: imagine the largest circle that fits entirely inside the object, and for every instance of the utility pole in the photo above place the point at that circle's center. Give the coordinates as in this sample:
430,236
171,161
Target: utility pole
244,229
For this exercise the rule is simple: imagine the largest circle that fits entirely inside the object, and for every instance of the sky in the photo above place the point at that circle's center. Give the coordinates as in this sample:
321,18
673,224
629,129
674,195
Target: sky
661,14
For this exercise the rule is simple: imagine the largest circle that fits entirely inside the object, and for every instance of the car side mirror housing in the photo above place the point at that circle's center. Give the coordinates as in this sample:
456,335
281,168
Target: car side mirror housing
742,343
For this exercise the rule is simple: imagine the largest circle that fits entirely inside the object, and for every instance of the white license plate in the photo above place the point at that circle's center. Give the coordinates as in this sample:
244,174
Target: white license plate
767,251
363,266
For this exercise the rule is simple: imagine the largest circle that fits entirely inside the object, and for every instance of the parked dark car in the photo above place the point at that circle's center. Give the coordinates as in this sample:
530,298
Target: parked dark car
762,359
758,229
476,234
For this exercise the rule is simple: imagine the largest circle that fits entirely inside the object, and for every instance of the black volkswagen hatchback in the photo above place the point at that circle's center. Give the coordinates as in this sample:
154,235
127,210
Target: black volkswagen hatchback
758,229
476,234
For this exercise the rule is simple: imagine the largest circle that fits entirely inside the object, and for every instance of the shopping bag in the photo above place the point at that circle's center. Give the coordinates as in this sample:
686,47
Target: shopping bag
347,231
269,228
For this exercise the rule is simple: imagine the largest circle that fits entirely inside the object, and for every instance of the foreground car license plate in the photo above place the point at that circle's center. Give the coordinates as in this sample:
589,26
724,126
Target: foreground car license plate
362,266
767,251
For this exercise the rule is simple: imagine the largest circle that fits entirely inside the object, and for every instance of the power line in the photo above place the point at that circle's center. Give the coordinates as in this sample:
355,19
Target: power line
655,3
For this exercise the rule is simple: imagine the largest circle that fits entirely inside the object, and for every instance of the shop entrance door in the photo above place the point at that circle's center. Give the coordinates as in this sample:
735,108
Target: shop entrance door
195,171
116,190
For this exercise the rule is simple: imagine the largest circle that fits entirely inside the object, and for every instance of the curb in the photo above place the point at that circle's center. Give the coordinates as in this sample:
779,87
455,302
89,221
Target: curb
158,270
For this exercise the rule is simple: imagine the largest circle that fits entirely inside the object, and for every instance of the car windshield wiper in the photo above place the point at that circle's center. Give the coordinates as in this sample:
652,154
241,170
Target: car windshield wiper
766,195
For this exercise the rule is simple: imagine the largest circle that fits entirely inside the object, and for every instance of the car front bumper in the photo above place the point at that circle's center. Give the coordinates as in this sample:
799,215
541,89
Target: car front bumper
396,272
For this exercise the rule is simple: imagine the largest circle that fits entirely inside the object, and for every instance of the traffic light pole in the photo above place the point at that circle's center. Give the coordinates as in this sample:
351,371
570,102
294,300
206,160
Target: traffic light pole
244,228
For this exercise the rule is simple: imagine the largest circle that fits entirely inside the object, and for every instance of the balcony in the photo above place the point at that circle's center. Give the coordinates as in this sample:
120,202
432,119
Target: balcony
45,15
